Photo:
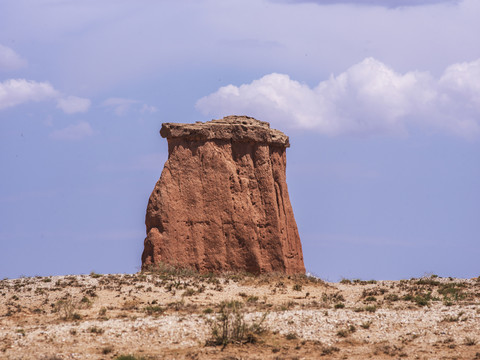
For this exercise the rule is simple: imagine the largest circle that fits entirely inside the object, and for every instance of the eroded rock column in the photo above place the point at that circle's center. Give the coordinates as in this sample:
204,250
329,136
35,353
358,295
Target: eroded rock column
222,202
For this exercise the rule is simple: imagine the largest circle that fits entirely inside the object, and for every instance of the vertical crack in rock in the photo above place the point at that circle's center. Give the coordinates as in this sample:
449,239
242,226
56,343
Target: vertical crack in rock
222,203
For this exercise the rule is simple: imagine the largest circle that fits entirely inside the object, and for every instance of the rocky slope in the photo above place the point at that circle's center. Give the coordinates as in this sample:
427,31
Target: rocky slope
173,315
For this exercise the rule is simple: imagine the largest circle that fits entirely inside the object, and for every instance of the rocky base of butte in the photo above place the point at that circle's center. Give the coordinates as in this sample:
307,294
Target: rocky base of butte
222,203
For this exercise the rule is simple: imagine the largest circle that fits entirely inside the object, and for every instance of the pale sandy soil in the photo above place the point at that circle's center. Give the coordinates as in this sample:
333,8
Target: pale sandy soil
171,316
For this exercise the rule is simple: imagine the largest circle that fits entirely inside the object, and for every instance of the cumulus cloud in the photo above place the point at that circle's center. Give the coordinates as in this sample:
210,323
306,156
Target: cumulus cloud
73,104
73,132
10,60
120,106
17,91
368,98
14,92
382,3
463,79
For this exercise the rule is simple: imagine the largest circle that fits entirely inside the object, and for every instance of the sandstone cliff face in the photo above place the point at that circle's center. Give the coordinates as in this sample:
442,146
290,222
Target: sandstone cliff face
222,203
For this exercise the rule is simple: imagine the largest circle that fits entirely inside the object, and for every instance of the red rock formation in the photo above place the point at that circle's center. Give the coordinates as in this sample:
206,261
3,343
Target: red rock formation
222,202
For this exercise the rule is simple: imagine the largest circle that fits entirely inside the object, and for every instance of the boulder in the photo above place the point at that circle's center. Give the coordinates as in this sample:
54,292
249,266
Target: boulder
222,203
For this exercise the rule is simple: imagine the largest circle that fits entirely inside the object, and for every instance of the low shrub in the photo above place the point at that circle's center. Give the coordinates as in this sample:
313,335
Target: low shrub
129,357
230,326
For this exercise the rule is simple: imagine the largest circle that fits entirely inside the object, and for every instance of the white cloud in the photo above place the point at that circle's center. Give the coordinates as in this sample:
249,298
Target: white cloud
368,98
10,60
73,132
17,91
464,80
287,36
120,106
73,104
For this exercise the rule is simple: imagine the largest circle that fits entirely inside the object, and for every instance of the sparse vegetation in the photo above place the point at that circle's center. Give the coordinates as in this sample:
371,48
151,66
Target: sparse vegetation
297,287
346,332
230,326
95,330
470,341
366,325
291,336
392,297
107,350
154,310
94,275
328,350
129,357
67,307
295,305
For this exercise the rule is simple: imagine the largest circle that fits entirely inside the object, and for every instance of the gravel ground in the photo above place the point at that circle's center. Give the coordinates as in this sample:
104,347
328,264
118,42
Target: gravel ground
170,316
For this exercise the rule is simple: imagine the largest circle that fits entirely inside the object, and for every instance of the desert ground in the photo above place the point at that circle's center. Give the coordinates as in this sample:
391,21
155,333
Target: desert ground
177,314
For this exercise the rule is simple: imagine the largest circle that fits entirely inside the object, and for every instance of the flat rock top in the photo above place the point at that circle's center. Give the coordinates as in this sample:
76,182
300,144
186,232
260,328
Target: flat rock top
233,127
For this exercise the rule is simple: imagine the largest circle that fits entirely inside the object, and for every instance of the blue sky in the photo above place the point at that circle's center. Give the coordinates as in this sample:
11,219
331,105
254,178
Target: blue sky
381,100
